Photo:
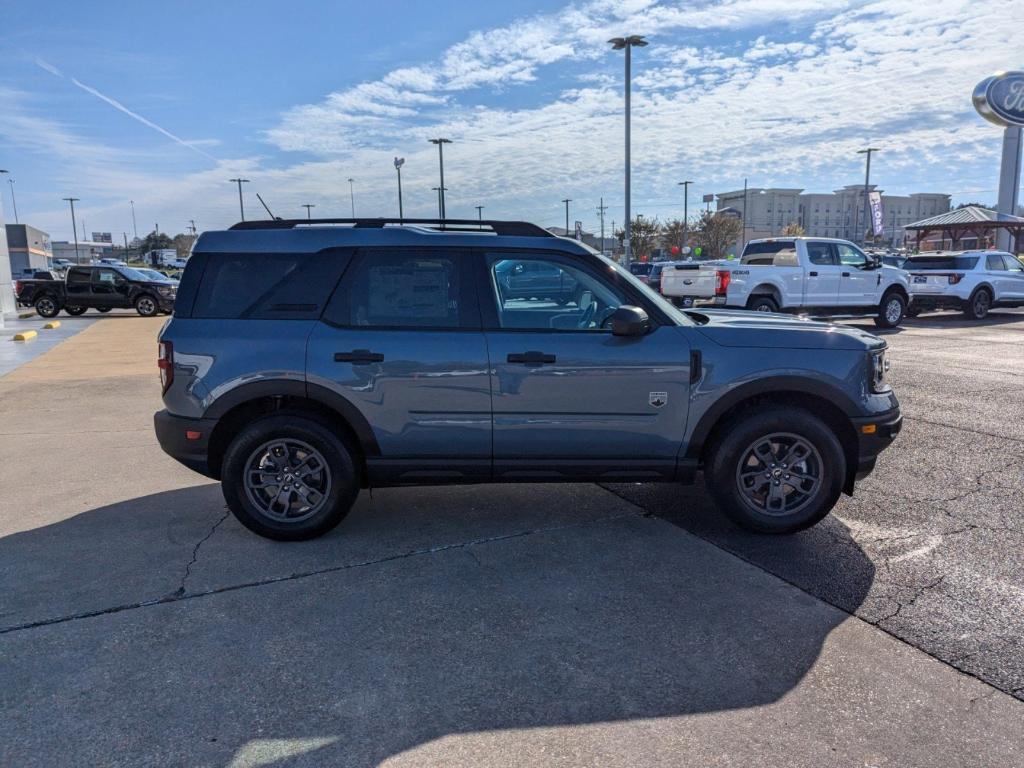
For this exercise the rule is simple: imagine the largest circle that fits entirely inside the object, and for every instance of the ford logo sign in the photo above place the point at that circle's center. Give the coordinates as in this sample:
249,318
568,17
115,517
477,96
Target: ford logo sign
1000,98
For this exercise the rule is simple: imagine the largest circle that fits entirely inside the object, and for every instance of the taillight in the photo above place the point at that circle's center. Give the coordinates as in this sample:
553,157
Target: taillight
165,362
722,278
955,278
17,287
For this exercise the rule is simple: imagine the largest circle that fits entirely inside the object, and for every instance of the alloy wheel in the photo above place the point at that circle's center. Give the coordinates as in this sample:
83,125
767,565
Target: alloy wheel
779,474
287,480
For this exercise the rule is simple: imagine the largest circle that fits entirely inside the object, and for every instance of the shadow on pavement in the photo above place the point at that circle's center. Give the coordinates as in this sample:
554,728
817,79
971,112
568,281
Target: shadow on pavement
585,621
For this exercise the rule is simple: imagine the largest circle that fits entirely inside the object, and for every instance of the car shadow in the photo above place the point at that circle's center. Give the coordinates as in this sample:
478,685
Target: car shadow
587,620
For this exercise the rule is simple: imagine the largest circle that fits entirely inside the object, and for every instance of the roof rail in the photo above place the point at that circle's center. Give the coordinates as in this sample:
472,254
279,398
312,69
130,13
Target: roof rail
504,228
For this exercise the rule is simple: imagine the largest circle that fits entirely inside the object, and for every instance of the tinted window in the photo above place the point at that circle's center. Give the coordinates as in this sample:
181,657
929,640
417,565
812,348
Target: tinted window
402,290
105,276
768,246
542,294
79,275
820,254
640,267
941,262
267,286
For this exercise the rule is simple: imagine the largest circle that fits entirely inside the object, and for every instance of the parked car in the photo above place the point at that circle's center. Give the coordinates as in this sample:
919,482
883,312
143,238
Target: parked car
101,288
111,262
306,360
817,276
156,275
972,282
894,260
641,269
535,280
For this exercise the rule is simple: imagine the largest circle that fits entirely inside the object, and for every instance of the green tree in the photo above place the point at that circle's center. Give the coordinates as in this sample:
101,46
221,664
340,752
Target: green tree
673,234
183,244
716,234
794,230
155,241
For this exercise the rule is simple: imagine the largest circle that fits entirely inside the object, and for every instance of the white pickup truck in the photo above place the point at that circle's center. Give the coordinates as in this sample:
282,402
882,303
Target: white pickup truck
812,275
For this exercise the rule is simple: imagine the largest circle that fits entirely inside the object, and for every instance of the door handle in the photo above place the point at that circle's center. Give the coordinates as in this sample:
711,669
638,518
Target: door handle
846,274
530,358
358,357
812,274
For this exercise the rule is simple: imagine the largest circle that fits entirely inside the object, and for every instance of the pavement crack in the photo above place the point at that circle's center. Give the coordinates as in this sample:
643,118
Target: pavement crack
195,553
180,596
900,605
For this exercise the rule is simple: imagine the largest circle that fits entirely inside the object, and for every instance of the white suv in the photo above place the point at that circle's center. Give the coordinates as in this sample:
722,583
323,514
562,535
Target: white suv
970,281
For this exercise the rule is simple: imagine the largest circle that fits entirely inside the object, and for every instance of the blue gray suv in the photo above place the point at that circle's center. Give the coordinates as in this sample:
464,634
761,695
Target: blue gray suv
309,359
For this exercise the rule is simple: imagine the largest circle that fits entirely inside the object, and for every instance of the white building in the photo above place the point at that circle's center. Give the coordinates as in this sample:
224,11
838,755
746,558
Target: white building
836,214
88,250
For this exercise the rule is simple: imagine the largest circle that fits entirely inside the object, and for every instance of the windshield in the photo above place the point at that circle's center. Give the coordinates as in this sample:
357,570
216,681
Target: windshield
663,304
941,262
152,274
135,274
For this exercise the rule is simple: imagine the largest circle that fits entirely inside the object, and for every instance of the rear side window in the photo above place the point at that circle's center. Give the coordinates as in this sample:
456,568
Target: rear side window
768,247
820,254
995,262
389,289
267,286
79,275
942,262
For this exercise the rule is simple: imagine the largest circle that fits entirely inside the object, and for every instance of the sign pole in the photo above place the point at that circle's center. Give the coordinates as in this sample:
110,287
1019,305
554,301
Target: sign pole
1009,180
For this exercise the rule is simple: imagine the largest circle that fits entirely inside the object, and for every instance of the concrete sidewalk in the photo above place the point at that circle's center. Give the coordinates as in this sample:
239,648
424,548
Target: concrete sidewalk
505,625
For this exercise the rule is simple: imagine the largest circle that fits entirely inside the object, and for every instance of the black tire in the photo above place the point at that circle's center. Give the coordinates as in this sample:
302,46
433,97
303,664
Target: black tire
891,310
147,306
341,488
104,310
75,311
731,451
978,306
47,306
762,304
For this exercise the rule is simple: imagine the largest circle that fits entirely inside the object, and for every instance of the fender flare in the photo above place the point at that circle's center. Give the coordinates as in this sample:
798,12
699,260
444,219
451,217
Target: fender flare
783,385
293,388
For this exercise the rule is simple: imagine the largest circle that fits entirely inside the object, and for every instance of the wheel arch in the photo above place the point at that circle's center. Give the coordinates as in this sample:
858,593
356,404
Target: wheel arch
769,289
828,403
242,405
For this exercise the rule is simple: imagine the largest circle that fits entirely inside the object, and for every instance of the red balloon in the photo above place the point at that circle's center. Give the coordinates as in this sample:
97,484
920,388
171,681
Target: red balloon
675,249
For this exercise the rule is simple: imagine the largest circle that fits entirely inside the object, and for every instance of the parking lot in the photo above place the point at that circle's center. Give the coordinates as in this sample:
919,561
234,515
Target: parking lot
527,624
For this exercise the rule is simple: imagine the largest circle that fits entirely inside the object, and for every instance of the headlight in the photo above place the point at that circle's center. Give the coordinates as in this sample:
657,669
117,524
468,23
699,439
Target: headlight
166,291
879,367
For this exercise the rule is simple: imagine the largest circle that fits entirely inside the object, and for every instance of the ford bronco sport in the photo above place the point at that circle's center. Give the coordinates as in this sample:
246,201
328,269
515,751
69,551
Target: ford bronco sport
308,359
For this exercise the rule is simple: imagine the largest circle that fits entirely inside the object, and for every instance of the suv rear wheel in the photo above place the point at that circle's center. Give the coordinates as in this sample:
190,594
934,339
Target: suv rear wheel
288,478
979,304
777,470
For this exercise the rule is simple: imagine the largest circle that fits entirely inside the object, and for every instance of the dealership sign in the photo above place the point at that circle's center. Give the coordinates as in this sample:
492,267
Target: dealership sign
1000,98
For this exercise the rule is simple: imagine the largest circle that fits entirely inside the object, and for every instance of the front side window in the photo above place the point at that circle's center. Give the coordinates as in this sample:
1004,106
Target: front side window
850,256
1013,264
402,290
548,294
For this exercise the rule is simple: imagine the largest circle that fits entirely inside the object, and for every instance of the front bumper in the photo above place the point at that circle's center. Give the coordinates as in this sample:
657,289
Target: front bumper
874,435
166,303
186,440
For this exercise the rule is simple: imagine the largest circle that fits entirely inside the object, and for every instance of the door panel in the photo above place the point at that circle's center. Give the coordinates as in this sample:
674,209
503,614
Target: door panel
401,341
823,275
857,285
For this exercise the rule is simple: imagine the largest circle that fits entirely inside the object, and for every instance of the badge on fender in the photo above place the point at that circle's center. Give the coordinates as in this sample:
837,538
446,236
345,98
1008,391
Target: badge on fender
657,399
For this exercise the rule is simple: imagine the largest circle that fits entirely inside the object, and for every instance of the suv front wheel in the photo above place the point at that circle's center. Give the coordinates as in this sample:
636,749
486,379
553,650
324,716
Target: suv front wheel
777,470
288,478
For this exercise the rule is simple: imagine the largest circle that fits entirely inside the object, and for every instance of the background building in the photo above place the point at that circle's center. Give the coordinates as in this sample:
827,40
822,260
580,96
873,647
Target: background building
87,250
29,248
836,214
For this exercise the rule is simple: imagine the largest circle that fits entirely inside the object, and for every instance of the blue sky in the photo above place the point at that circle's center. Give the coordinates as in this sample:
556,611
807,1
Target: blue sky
162,103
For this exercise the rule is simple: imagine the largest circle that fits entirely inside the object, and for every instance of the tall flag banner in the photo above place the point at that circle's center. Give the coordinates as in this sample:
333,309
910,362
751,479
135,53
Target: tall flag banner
877,221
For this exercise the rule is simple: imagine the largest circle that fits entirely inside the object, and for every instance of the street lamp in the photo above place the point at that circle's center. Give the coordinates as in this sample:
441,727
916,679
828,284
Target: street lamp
867,179
74,226
627,43
686,207
440,201
135,227
567,201
307,206
241,206
14,201
440,159
352,196
480,215
399,162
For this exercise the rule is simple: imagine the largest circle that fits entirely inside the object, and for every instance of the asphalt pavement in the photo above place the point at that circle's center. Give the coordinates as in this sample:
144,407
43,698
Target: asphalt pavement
502,625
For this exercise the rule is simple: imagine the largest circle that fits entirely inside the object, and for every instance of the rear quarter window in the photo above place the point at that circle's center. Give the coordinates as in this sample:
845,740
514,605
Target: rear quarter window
266,286
941,262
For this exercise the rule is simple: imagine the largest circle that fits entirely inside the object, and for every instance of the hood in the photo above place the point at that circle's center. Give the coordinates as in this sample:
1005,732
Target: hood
742,328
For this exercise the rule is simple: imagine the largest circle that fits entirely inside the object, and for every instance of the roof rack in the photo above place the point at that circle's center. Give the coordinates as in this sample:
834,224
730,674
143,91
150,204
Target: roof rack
504,228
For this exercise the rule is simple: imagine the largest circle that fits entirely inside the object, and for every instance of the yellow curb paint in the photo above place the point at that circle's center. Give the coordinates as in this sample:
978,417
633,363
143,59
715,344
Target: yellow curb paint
25,335
26,315
52,324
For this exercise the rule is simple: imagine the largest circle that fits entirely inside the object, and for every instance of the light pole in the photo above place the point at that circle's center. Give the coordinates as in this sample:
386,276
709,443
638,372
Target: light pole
193,223
352,196
135,227
480,215
686,208
440,202
567,201
867,179
13,201
399,162
74,226
241,206
601,208
440,159
307,206
618,43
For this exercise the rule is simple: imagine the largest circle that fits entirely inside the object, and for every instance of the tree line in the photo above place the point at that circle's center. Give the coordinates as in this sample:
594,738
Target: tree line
716,234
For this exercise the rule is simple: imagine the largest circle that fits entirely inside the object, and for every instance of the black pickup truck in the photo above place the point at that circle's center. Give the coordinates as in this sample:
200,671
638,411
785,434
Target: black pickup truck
101,288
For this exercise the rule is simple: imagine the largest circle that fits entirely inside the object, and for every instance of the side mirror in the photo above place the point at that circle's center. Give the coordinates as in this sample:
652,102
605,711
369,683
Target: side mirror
630,321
